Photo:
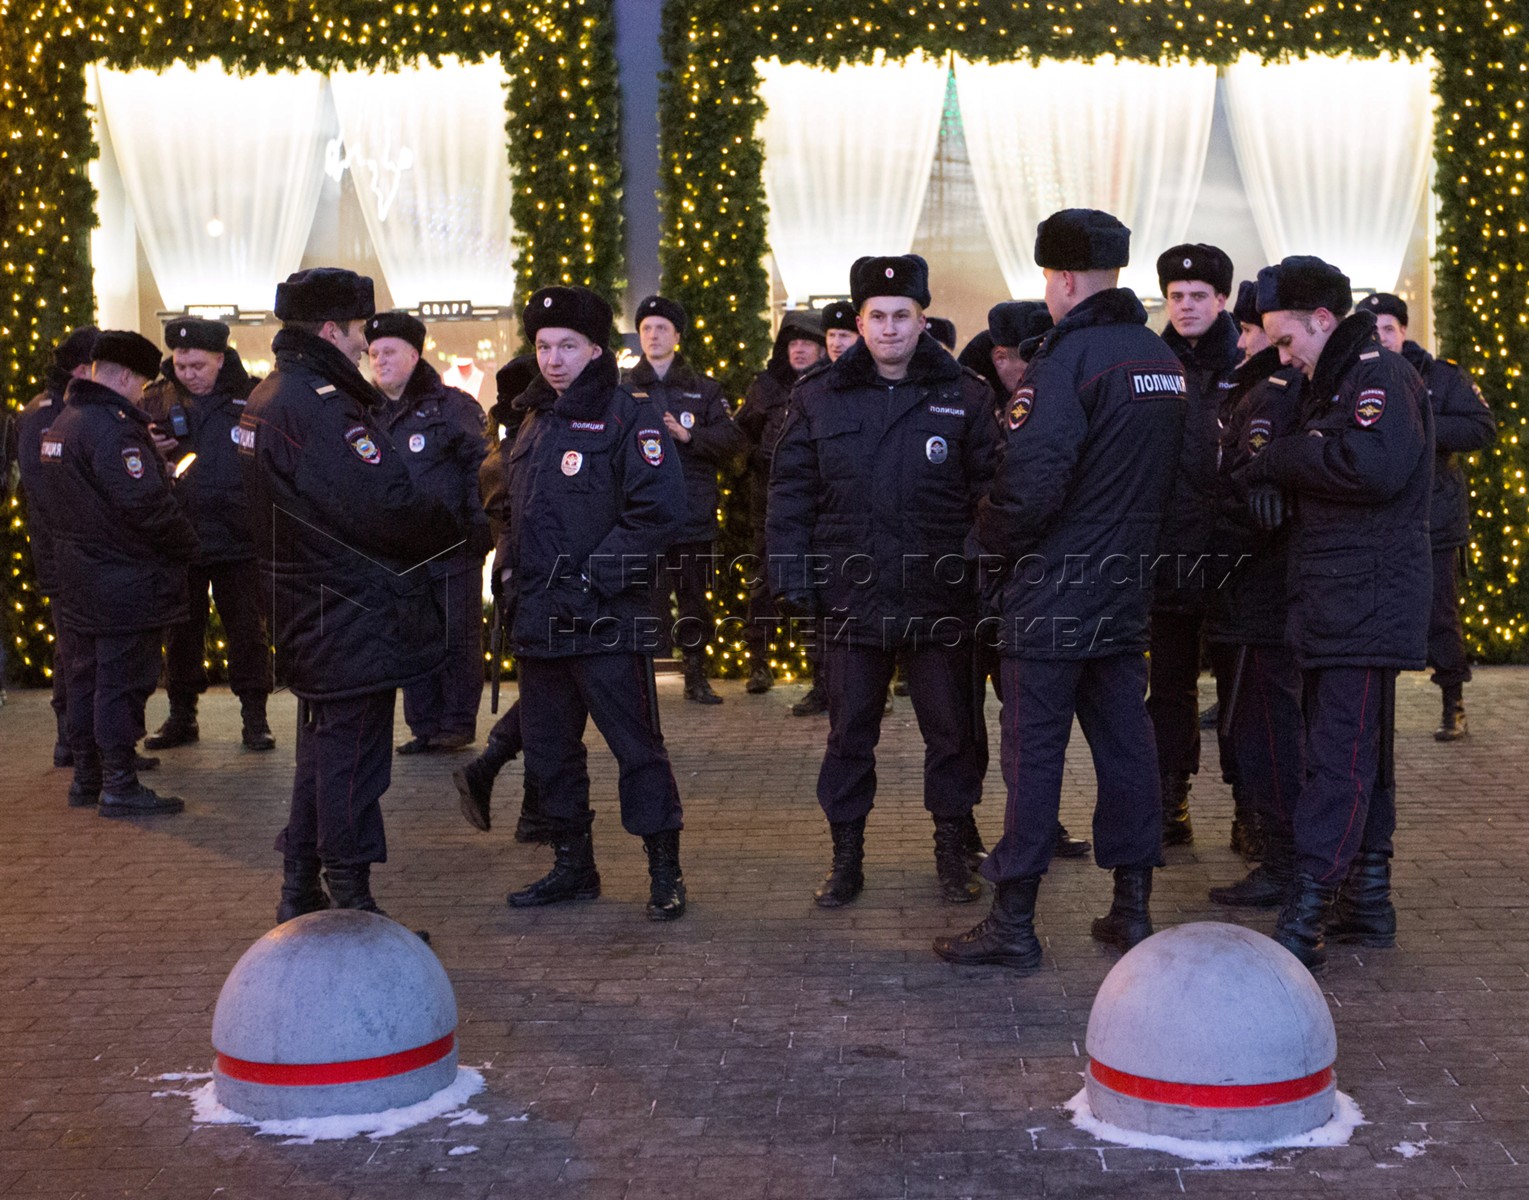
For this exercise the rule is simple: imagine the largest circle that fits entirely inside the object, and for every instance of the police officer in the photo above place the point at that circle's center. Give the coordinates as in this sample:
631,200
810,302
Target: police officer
1196,280
120,545
876,476
595,493
440,432
1260,722
1093,434
798,348
343,535
1462,423
196,405
1360,474
697,418
942,330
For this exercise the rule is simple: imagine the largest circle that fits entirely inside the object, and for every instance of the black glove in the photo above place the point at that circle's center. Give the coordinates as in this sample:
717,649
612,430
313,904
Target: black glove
1267,504
795,607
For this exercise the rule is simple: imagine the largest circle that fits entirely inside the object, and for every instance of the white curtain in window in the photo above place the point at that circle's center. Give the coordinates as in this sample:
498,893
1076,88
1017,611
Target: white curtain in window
222,173
1335,153
847,159
426,148
114,241
1126,137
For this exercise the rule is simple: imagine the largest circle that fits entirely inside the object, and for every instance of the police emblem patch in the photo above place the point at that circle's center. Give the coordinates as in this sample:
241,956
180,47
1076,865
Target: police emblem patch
1259,434
572,461
1020,406
936,451
416,442
687,420
132,461
361,442
651,443
1369,405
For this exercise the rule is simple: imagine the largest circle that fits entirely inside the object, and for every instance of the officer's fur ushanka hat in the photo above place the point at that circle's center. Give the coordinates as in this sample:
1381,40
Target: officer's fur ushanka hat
840,315
943,330
397,325
1304,283
661,306
889,275
1082,239
196,333
1245,310
127,349
1385,304
575,308
1195,260
75,350
325,294
1017,321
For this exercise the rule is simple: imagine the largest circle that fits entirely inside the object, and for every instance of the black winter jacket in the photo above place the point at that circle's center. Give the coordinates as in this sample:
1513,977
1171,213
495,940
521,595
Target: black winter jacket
1069,530
441,433
594,493
1462,423
1185,573
873,493
1361,470
340,529
121,542
696,402
28,429
212,489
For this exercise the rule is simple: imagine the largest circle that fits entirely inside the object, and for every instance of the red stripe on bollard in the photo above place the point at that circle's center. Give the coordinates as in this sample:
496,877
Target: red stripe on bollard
355,1071
1211,1095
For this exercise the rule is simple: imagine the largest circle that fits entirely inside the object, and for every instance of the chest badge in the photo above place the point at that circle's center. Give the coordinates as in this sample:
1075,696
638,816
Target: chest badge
687,420
936,451
416,442
652,446
572,462
360,440
1369,405
1258,434
1020,406
132,462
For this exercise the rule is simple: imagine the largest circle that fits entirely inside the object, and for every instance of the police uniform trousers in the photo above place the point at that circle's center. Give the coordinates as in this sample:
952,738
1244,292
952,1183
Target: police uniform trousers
942,687
506,731
344,765
1040,698
762,620
1174,701
1267,734
236,589
110,679
1346,803
1446,641
557,698
445,702
60,700
1223,669
687,571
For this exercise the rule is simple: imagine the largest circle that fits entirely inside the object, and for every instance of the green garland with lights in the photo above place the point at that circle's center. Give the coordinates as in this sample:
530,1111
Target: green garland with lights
562,129
714,209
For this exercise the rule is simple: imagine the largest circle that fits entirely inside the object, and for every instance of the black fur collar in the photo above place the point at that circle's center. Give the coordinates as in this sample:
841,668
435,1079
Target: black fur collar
931,363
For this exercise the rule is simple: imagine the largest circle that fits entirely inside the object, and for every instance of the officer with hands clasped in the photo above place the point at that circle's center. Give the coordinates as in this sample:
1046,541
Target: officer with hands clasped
594,493
1359,473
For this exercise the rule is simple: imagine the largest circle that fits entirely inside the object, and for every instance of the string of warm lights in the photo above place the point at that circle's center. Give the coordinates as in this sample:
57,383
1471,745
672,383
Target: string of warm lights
714,210
563,141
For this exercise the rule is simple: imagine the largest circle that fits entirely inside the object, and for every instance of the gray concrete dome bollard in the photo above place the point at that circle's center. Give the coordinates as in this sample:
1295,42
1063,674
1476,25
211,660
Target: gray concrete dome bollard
1211,1032
332,1013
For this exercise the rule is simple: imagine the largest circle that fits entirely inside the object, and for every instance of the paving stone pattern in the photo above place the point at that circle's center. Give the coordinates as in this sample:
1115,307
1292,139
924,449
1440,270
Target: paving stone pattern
760,1047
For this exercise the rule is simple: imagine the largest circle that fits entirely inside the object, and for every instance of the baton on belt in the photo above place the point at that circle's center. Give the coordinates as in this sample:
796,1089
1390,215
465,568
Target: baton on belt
495,647
651,686
1228,711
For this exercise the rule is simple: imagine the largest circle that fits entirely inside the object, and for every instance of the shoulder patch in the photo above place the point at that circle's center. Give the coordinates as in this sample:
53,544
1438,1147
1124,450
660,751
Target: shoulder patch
1369,405
1021,406
52,450
360,439
651,443
132,461
1260,432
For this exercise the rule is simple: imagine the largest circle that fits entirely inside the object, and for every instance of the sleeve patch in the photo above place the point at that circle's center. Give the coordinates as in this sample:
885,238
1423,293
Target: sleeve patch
360,439
1020,407
1369,405
1260,432
651,443
132,461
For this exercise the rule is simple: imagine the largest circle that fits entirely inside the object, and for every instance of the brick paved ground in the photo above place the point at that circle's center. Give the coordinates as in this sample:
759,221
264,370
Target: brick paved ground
759,1048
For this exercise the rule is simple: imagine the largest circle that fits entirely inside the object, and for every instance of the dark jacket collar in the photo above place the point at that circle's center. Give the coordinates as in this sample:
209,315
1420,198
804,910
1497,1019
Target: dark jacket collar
233,380
1215,350
1113,306
681,374
587,397
294,347
931,363
1354,335
425,386
1258,368
1420,359
88,391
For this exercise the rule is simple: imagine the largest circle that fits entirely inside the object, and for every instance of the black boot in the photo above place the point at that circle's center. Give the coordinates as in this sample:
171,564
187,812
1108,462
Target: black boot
813,704
1067,846
1302,924
1249,833
85,787
1363,913
956,883
475,781
121,793
1006,936
1129,921
1267,884
1452,727
846,876
145,762
351,887
573,875
257,731
760,679
666,893
697,686
972,841
180,728
1177,830
301,892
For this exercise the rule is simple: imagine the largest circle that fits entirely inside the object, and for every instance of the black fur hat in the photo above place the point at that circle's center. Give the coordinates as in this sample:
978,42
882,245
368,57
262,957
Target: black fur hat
514,377
1082,239
325,294
943,330
1195,260
1245,310
889,275
1016,321
659,306
1304,283
575,308
1385,304
397,325
75,350
840,315
194,333
127,349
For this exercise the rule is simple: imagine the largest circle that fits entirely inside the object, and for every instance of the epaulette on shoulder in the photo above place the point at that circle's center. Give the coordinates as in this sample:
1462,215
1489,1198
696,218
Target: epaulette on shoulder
1368,355
975,376
1279,381
325,389
1454,362
814,371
